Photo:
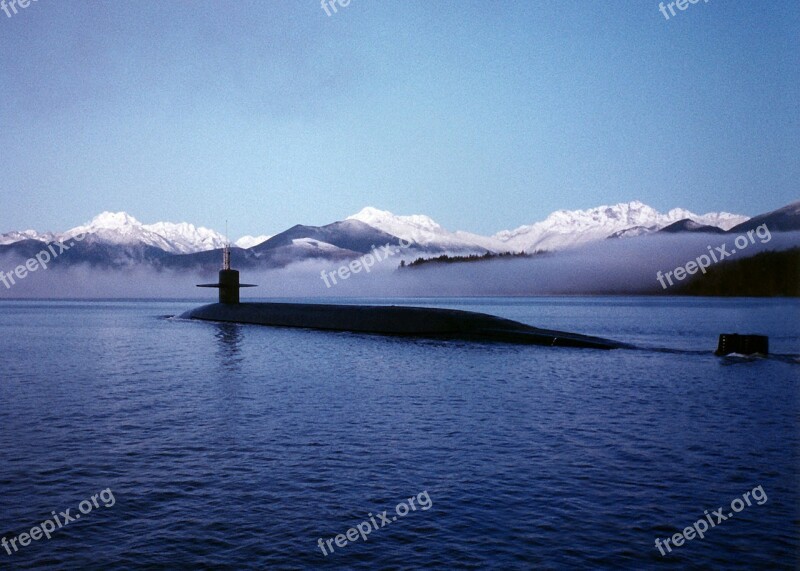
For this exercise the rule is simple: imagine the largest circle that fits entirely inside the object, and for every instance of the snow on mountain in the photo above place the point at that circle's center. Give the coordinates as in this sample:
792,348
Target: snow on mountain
634,231
489,243
118,228
121,221
18,236
417,227
187,238
123,229
423,231
567,228
724,220
316,246
176,238
250,241
561,229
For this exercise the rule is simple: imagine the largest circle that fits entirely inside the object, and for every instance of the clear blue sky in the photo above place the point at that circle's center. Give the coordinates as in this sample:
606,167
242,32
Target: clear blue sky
483,115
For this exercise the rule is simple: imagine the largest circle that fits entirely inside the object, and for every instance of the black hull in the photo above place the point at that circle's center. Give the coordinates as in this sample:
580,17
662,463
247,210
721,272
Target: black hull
397,321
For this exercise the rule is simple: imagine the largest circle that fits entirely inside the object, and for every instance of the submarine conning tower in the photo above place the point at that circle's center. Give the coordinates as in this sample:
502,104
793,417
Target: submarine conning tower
742,344
379,319
228,284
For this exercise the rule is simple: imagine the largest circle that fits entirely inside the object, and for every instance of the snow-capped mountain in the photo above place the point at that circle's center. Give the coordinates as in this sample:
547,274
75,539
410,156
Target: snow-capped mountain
417,227
346,235
121,237
567,228
246,242
123,229
117,228
562,229
423,231
186,238
19,236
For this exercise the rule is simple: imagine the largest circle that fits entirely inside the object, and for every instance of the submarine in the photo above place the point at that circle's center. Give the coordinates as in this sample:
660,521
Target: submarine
391,320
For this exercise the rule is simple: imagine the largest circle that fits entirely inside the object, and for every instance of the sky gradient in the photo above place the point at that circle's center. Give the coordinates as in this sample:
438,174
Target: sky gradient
483,115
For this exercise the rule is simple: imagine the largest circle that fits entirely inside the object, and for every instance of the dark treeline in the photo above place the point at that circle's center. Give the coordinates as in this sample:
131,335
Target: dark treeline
446,259
768,274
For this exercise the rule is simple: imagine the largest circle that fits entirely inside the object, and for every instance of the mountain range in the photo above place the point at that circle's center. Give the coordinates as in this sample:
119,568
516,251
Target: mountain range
119,240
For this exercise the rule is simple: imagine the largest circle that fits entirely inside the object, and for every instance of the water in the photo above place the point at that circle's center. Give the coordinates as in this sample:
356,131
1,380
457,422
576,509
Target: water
240,447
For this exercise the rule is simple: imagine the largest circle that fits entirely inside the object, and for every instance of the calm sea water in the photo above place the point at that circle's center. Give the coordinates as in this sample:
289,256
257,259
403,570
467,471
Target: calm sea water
240,447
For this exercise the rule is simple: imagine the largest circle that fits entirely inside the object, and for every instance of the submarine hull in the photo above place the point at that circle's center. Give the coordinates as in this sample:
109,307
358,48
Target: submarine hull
396,321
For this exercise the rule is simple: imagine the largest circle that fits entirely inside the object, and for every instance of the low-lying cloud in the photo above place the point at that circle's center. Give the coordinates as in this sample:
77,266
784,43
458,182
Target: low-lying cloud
607,267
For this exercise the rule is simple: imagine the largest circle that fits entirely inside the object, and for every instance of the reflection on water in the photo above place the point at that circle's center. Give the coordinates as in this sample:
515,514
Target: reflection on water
229,346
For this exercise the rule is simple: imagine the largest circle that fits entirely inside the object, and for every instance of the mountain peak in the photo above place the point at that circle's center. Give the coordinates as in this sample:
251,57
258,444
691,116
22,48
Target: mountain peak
250,241
370,212
401,226
634,213
565,228
122,228
112,221
561,229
